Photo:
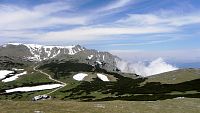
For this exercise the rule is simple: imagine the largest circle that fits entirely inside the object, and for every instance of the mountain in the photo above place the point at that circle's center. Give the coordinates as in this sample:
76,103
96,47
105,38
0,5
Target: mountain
39,53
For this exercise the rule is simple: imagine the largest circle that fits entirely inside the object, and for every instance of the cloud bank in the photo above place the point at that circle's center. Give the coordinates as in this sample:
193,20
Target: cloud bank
157,66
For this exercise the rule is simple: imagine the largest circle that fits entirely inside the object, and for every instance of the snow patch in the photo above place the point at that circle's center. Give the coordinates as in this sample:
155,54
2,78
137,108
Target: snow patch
71,52
38,112
179,98
56,54
155,67
4,45
15,69
34,88
3,73
99,62
103,57
80,76
36,50
102,77
90,57
12,78
15,44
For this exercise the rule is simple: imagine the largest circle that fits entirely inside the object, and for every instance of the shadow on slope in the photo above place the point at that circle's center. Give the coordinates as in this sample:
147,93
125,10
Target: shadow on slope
124,88
66,68
130,90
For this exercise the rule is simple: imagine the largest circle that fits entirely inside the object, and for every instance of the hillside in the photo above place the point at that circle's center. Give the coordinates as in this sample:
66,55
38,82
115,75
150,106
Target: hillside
177,76
77,73
119,87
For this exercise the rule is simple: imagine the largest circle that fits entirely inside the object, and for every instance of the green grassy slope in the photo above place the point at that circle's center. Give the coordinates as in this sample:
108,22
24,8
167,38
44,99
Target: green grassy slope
175,77
180,83
186,105
158,87
32,78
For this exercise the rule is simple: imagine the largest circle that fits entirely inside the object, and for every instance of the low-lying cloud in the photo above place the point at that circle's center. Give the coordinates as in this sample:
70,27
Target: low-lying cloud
157,66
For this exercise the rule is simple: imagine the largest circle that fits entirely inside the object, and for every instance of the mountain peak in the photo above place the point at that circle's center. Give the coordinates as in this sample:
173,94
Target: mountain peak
41,46
37,53
42,52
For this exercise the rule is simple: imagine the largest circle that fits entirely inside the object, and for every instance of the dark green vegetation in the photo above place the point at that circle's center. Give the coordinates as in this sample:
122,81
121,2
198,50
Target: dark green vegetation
129,89
13,62
66,68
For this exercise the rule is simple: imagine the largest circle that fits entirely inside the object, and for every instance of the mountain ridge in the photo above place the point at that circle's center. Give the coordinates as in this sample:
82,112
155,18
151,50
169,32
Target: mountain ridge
40,53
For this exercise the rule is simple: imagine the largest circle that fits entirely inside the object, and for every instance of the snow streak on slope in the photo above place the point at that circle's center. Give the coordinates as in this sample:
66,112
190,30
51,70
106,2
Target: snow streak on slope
155,67
15,69
34,88
90,57
38,50
3,73
102,77
80,76
12,78
41,52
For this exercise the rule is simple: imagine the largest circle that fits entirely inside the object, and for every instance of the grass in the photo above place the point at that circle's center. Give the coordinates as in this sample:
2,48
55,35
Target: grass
143,95
175,77
186,105
130,89
30,79
158,87
124,88
26,96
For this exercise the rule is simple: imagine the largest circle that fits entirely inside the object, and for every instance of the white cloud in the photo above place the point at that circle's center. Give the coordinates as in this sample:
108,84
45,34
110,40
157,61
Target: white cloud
134,24
140,19
41,16
115,5
89,33
52,7
18,34
155,67
156,19
23,22
148,42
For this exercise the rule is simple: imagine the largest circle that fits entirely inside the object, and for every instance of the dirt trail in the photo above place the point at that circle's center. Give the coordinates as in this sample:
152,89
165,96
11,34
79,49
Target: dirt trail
49,76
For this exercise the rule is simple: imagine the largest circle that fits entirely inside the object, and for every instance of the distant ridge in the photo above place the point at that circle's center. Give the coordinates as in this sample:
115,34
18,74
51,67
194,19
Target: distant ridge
38,53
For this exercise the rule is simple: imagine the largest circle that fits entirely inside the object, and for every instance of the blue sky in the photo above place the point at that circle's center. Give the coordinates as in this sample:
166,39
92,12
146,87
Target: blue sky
131,29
